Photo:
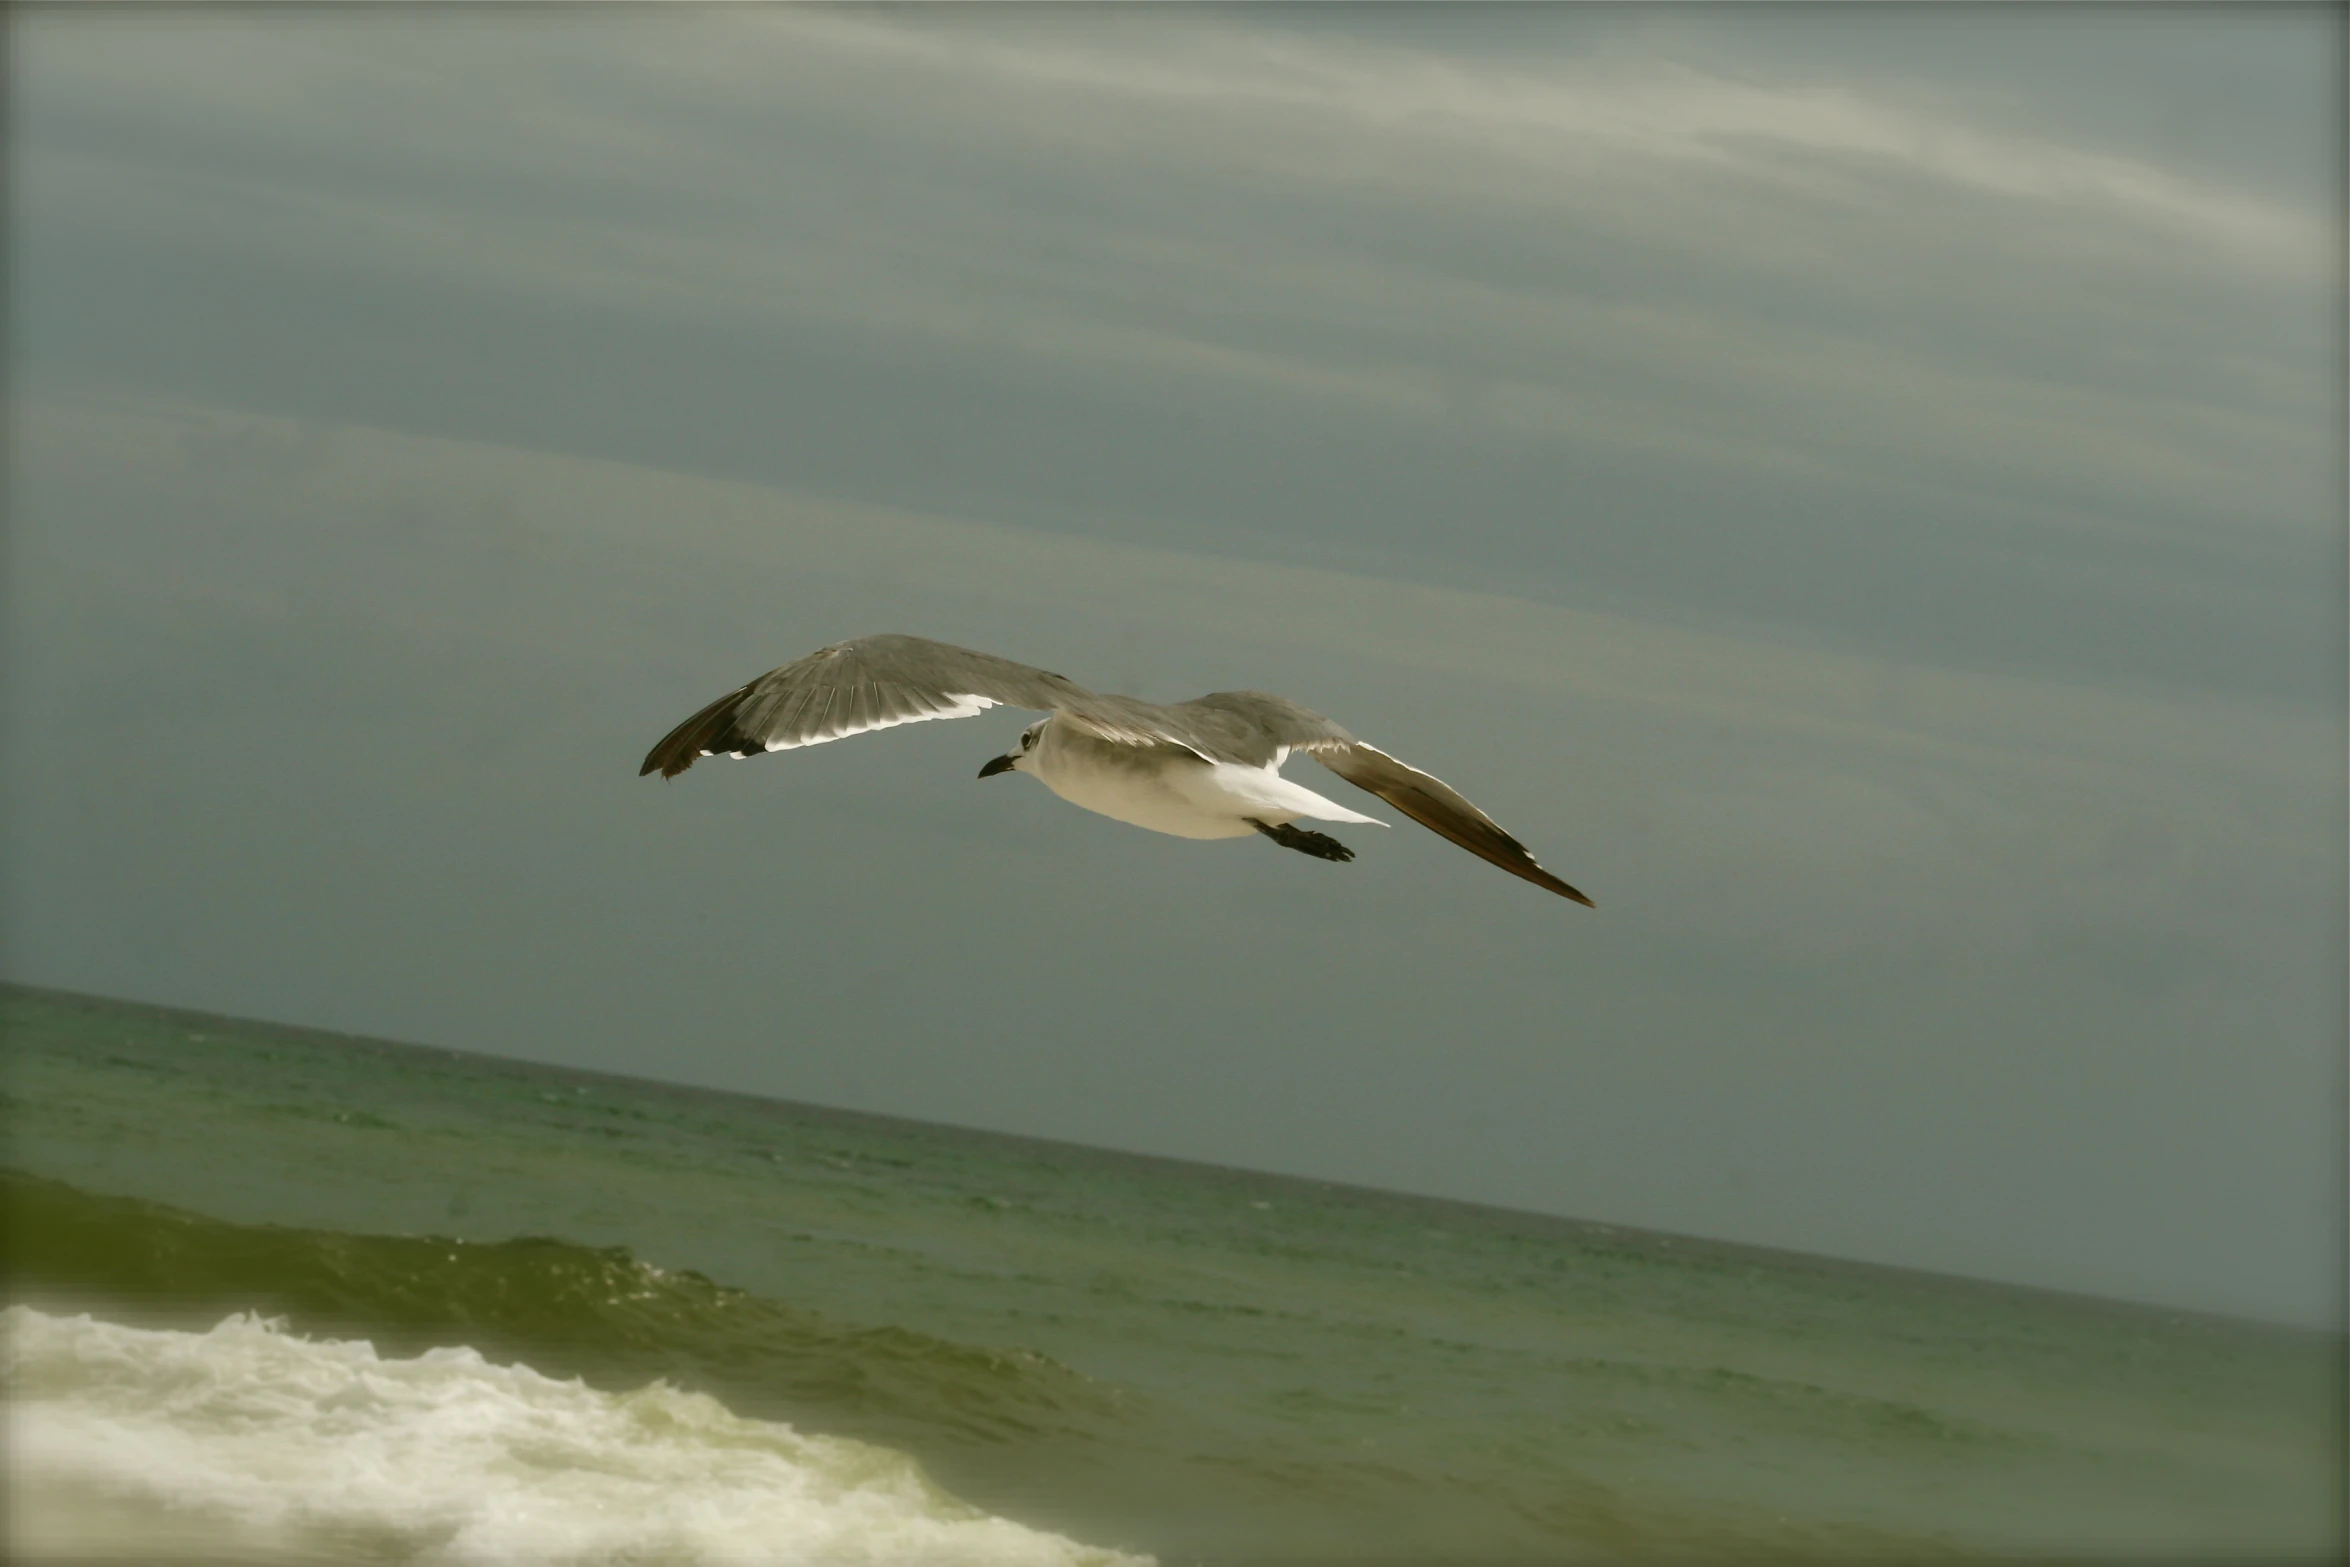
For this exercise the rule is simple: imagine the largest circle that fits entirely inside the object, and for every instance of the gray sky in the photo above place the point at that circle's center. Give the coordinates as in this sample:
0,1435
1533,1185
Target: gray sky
1857,493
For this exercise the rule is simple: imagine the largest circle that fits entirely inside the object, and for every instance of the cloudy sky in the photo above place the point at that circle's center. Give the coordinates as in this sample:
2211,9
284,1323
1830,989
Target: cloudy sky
1856,491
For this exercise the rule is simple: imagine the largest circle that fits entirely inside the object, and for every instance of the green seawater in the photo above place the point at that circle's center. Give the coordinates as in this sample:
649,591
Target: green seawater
1200,1364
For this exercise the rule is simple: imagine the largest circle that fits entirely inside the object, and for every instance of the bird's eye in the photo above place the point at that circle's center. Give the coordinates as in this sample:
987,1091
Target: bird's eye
1028,740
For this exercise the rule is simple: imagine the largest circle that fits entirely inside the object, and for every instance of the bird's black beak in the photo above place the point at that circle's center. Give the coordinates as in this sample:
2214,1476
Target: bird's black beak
1002,764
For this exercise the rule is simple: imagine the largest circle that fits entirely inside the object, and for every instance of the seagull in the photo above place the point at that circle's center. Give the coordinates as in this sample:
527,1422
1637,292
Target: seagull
1207,768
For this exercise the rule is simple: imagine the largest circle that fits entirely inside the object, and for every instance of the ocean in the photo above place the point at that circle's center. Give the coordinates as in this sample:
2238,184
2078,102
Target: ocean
278,1295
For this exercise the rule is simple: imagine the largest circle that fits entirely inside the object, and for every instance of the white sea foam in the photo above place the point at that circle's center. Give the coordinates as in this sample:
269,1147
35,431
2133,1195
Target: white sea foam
249,1442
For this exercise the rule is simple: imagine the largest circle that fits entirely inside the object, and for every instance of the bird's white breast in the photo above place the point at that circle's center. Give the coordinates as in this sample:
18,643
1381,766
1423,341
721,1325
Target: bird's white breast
1169,790
1128,784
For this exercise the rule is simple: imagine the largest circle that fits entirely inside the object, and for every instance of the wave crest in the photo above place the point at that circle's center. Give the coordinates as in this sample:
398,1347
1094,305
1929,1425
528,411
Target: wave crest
568,1310
250,1440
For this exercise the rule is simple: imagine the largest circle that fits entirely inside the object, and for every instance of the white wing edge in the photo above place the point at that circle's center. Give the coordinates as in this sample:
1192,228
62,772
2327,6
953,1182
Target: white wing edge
967,705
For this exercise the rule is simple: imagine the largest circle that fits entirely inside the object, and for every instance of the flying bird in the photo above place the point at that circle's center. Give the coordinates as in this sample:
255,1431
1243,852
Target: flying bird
1207,768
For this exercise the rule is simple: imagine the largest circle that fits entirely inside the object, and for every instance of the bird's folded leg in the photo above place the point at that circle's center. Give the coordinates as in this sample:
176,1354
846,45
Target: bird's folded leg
1318,844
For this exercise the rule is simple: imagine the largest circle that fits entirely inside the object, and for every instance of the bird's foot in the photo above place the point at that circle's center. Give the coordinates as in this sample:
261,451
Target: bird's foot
1318,844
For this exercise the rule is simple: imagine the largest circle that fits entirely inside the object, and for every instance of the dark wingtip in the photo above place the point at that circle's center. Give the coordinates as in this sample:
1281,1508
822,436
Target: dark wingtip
1524,867
709,732
1546,881
668,760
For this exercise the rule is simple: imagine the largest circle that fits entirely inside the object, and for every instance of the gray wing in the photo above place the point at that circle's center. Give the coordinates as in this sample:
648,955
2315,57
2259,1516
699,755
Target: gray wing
1259,728
865,683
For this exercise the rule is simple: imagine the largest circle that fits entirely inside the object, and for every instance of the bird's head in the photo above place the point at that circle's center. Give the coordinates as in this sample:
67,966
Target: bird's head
1022,760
